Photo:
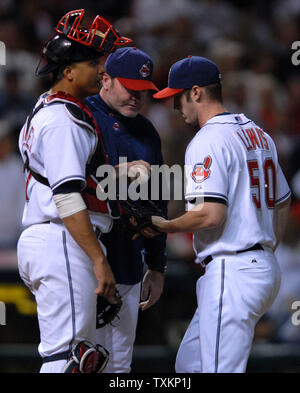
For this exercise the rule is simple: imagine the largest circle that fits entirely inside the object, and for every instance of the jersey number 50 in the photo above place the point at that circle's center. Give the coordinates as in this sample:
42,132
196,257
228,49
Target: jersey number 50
269,173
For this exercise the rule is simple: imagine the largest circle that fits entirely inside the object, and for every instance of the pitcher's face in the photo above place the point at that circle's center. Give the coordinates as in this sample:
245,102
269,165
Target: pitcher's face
187,107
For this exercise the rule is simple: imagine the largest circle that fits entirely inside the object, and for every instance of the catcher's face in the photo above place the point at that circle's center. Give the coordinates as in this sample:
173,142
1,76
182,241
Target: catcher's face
127,102
87,77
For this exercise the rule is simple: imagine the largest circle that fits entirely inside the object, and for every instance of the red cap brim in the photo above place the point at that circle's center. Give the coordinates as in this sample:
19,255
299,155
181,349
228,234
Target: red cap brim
137,84
167,92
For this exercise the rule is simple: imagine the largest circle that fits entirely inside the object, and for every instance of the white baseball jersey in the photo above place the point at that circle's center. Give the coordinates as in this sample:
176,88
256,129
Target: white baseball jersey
234,160
58,149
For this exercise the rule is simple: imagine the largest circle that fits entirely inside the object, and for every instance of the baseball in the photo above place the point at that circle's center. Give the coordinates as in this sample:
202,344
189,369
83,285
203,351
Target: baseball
139,173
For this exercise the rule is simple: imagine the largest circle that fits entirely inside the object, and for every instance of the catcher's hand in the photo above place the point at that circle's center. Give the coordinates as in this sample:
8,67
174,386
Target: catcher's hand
108,309
136,216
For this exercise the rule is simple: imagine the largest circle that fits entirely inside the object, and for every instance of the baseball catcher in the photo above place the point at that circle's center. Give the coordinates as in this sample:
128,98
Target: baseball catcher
61,147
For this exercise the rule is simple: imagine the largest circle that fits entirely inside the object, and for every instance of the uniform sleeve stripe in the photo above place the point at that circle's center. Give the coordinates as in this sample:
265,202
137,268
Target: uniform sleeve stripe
207,195
286,196
216,200
68,178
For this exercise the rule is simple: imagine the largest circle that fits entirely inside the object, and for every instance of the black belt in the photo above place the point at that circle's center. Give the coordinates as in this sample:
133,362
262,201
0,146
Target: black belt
256,246
96,231
58,356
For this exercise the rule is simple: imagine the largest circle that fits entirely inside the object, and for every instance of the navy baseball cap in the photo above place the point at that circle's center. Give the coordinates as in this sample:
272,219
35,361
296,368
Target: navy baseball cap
132,67
188,72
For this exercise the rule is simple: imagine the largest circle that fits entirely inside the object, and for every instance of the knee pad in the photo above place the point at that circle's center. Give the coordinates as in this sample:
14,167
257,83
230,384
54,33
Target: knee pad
87,359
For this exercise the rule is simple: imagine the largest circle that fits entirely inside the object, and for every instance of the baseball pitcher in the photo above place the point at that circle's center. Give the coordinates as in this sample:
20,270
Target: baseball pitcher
237,201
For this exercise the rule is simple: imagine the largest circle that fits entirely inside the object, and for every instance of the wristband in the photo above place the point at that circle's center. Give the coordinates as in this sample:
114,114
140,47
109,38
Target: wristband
160,269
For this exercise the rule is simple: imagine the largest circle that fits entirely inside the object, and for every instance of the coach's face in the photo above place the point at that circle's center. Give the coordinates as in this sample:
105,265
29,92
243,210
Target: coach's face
127,102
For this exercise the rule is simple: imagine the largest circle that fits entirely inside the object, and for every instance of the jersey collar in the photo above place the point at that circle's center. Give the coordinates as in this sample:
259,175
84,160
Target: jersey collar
101,104
223,113
227,118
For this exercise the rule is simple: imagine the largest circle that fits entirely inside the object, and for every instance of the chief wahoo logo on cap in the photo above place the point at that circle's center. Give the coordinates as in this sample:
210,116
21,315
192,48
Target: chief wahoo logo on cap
145,70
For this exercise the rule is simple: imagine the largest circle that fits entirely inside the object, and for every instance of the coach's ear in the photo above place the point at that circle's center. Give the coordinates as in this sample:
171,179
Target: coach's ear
106,81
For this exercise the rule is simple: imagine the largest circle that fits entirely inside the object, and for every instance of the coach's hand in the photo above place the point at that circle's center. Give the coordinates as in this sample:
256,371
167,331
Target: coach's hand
134,170
105,278
146,232
152,287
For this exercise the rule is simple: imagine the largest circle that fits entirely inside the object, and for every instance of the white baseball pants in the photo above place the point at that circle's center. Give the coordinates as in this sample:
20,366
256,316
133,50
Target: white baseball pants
119,337
232,295
61,277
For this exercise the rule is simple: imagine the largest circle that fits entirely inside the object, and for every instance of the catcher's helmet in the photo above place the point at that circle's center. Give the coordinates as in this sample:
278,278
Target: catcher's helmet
73,42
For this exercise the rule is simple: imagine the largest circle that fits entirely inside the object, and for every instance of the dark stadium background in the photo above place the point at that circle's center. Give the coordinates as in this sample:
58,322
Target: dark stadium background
252,43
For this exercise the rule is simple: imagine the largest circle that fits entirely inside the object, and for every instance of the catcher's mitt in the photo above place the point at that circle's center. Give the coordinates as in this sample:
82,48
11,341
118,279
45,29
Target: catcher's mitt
107,310
136,215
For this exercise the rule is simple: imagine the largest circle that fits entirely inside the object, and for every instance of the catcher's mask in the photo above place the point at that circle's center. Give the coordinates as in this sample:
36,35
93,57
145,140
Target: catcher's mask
73,41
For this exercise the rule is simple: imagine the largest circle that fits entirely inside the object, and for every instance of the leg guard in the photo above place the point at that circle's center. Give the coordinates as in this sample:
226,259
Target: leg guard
87,359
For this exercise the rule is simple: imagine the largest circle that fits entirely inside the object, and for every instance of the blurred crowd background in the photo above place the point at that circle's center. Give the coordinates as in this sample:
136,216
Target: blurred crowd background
250,41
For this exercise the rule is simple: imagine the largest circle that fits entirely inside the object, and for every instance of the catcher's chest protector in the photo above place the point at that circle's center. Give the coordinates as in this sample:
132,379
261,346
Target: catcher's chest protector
81,115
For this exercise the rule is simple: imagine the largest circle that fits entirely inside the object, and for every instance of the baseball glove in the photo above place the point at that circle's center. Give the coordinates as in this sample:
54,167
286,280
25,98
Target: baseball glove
107,309
136,215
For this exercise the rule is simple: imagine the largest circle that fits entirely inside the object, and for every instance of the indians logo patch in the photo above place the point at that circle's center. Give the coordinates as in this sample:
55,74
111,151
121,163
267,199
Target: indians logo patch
116,126
145,70
201,170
